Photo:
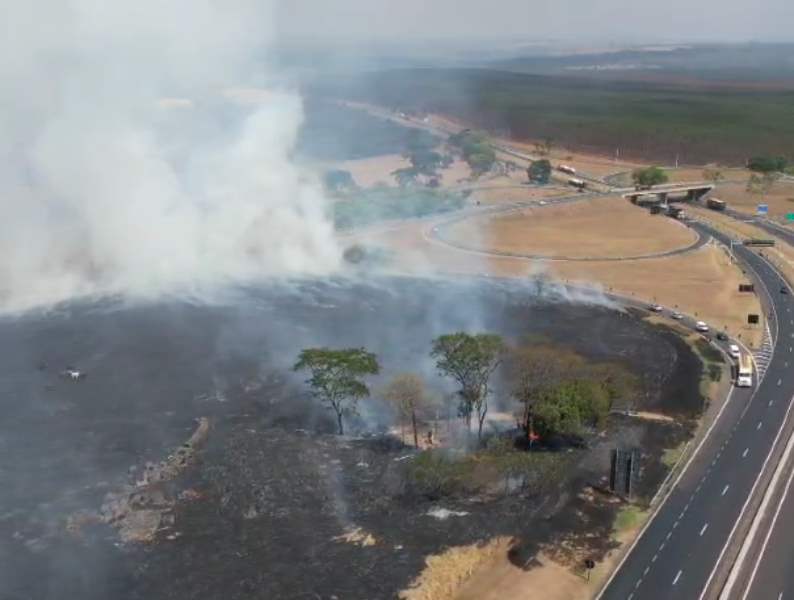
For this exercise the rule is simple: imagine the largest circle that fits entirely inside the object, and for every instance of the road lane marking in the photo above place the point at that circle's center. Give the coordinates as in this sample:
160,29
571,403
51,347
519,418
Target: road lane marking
779,381
645,572
757,427
677,577
744,454
655,556
702,531
669,533
725,489
770,403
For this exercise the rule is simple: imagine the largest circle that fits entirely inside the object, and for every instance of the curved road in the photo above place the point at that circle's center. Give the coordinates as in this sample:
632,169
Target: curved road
436,233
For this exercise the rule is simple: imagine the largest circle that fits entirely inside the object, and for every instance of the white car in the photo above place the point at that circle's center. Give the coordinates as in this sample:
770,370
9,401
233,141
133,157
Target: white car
701,326
677,316
656,308
734,351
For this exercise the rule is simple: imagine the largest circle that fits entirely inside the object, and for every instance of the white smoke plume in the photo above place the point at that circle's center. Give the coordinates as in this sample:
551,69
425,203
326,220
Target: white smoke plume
124,169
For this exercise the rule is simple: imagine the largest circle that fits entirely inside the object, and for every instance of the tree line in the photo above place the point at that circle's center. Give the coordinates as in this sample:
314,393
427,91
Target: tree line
558,391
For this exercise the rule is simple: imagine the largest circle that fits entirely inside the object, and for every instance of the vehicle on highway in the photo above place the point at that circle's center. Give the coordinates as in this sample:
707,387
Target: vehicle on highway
744,377
543,203
734,351
722,336
655,308
566,169
677,316
577,183
716,204
783,290
701,326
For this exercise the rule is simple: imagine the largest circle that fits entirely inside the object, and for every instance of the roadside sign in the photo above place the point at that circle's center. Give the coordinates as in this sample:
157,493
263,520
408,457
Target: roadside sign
762,209
752,319
789,216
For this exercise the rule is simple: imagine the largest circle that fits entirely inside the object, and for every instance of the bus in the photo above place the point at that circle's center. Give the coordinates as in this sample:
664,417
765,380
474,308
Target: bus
744,376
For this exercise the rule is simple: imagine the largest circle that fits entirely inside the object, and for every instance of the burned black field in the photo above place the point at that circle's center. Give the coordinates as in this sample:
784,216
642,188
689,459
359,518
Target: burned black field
265,501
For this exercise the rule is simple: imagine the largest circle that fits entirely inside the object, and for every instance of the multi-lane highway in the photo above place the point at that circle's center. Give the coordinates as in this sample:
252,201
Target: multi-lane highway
678,554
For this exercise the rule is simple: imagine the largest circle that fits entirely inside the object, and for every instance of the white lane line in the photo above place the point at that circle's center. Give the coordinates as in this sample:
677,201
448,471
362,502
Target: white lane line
702,531
757,427
770,403
725,489
677,577
744,454
779,381
645,572
669,533
761,512
631,595
655,556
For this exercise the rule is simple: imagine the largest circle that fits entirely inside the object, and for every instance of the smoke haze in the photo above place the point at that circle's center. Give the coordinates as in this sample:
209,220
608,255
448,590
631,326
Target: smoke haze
125,169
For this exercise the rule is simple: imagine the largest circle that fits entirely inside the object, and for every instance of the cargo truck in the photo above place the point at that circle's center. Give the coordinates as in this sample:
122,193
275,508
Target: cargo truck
744,375
716,204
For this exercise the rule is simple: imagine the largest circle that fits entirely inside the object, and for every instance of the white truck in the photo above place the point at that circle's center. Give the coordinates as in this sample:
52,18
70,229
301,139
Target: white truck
566,169
744,375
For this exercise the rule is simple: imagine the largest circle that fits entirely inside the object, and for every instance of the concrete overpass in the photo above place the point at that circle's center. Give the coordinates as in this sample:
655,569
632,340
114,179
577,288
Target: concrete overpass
663,192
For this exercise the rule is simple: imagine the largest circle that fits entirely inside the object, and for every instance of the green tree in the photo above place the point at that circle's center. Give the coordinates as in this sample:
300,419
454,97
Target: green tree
649,176
406,392
539,171
336,377
767,164
338,181
470,360
425,162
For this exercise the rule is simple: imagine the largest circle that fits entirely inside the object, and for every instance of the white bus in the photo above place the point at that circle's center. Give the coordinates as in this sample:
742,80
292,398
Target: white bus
744,376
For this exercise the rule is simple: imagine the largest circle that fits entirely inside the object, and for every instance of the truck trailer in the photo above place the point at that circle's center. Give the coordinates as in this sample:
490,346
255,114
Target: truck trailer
716,204
744,376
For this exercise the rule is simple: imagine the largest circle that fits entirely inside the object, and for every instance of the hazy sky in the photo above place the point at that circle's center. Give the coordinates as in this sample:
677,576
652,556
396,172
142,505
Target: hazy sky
607,20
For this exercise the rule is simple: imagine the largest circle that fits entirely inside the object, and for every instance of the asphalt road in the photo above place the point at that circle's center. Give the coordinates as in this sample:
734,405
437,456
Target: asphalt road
770,568
677,553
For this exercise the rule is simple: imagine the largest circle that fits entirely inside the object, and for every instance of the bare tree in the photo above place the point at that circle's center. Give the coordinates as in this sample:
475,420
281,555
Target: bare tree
407,392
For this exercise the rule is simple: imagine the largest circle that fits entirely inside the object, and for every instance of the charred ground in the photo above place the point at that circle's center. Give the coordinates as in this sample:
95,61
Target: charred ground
261,511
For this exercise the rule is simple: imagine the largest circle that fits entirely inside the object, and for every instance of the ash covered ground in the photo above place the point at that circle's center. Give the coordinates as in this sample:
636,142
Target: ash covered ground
258,509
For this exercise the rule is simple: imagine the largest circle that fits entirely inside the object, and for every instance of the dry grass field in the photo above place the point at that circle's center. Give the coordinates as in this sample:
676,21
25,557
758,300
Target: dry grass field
780,198
600,228
510,194
703,283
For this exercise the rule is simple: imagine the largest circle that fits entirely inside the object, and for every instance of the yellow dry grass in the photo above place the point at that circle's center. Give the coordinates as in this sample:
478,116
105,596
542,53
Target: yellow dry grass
508,195
703,283
444,573
600,228
780,198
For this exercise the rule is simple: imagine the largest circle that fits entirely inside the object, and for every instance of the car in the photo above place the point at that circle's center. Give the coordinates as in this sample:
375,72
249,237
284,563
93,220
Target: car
734,351
722,336
783,290
677,316
701,326
655,308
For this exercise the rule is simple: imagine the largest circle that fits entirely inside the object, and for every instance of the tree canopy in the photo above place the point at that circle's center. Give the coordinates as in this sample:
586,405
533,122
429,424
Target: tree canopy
470,360
336,377
649,176
338,180
539,171
476,150
767,164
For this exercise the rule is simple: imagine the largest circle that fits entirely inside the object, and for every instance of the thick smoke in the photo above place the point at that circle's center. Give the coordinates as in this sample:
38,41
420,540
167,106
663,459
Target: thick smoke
125,165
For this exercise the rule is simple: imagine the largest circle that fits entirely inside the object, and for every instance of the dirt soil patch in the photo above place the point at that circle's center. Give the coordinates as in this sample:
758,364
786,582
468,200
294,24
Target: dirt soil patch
599,228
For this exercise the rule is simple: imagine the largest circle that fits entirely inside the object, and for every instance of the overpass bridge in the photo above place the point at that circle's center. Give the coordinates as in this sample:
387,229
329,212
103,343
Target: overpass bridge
661,194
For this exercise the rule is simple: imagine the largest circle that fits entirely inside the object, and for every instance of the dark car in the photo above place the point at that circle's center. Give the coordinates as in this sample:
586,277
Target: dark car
722,336
784,290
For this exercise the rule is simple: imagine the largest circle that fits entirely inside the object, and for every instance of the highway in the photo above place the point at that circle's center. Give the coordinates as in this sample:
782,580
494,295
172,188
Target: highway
678,553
